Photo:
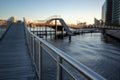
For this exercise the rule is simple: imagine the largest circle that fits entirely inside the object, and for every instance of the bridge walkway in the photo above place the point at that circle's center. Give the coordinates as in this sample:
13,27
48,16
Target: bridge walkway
15,62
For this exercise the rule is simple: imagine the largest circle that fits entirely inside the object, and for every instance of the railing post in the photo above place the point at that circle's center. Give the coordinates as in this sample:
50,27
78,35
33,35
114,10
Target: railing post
28,38
30,42
55,28
46,32
59,68
39,64
40,60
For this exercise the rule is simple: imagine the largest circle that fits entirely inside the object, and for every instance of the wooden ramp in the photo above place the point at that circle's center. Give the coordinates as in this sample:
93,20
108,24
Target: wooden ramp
15,62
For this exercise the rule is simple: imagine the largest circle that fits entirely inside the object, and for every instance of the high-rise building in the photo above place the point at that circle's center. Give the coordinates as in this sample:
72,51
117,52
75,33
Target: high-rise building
104,12
107,12
111,12
116,12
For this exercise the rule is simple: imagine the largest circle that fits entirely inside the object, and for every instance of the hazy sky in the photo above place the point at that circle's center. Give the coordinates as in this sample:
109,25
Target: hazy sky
70,10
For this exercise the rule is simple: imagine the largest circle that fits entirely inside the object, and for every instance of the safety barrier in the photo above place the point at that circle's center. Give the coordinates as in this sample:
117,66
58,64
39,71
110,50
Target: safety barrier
51,62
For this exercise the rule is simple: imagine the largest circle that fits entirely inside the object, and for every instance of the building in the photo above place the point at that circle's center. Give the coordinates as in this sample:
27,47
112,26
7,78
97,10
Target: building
2,22
116,13
82,24
104,12
107,12
97,22
111,12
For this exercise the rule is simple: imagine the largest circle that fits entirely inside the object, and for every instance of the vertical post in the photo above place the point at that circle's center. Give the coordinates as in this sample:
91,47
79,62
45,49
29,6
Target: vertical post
62,33
55,29
69,38
26,36
40,31
0,31
37,31
104,31
29,42
30,27
40,61
50,32
33,29
59,68
46,32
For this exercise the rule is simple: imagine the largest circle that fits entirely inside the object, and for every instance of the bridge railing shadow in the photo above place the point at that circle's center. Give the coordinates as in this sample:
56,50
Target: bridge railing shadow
53,64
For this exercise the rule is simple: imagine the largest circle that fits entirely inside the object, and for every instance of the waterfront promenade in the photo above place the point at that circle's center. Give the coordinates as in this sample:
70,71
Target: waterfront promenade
15,62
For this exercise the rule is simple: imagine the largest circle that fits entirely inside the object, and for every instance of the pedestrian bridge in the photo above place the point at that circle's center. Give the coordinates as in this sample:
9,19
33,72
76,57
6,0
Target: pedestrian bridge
15,62
63,25
55,26
25,56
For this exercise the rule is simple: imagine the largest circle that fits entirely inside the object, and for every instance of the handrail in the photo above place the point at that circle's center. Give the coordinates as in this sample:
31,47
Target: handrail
87,72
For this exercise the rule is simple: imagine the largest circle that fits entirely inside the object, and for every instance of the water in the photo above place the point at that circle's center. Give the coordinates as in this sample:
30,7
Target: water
100,54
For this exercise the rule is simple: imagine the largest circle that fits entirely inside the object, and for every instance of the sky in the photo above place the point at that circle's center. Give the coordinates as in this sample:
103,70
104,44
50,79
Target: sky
71,11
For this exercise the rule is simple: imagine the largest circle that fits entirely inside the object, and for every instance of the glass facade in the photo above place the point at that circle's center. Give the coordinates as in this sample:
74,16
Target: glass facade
104,12
111,12
116,13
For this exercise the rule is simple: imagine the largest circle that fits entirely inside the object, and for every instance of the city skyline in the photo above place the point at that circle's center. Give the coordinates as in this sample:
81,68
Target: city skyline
70,10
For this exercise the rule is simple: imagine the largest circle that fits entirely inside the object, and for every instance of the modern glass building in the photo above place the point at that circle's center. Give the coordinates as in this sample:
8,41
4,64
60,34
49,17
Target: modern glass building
111,12
116,12
107,12
104,12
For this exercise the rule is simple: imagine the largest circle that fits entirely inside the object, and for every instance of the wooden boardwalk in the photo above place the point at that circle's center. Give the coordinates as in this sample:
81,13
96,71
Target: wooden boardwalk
15,62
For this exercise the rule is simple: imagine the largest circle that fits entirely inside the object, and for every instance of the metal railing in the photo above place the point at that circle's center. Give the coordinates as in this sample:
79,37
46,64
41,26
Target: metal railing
51,60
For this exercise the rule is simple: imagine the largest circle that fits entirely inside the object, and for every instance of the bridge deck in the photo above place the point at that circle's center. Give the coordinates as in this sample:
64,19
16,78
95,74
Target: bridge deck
15,62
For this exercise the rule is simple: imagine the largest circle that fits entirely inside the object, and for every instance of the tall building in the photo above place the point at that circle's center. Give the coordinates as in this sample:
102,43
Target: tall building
116,12
107,12
104,12
111,12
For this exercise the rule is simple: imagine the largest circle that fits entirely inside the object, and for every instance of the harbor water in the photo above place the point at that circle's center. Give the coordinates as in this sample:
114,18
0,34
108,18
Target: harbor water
99,53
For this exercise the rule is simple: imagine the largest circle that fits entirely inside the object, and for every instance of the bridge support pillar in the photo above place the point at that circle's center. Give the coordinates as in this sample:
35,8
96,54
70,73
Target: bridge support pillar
103,30
37,30
69,38
46,32
62,32
50,32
